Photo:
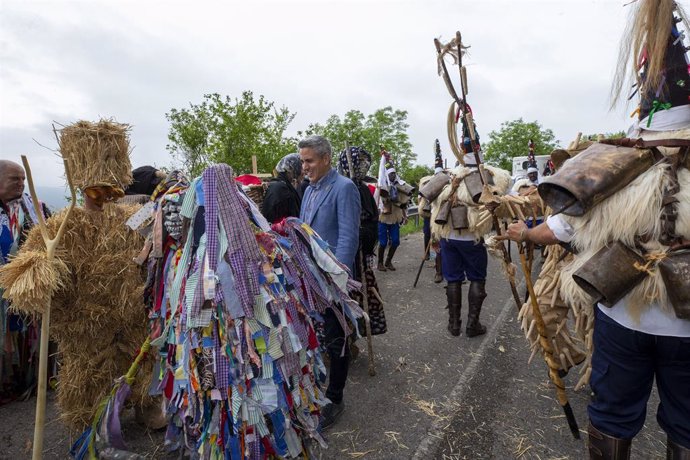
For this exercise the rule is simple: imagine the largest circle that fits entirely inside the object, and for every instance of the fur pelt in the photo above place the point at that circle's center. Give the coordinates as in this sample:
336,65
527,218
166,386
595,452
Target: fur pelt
634,210
478,216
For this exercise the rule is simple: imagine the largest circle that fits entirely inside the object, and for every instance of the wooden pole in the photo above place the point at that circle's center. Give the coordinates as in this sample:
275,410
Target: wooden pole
548,350
255,168
51,245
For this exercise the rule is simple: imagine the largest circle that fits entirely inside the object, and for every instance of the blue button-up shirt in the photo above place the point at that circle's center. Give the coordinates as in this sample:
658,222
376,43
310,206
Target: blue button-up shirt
316,190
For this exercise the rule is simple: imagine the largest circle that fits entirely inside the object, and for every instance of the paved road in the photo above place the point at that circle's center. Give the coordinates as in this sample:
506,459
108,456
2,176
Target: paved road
434,396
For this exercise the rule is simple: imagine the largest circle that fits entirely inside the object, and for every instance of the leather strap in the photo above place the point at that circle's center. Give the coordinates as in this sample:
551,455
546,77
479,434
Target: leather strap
641,143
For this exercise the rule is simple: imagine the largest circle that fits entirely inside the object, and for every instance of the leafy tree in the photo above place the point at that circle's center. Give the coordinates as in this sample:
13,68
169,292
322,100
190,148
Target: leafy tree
226,130
385,127
415,173
512,140
594,137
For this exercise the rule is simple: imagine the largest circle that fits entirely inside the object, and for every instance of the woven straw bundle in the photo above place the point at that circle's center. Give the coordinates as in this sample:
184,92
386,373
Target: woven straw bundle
97,310
97,153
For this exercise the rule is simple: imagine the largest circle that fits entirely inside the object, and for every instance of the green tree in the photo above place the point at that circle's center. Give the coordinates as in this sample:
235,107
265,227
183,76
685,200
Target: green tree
386,126
512,141
226,130
594,137
414,173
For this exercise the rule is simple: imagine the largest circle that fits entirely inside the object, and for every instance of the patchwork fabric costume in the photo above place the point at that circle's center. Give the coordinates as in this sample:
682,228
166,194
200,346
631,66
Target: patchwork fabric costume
231,306
368,233
19,337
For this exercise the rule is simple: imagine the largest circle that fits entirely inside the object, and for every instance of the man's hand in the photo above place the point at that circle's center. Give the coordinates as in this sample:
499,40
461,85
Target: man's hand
517,231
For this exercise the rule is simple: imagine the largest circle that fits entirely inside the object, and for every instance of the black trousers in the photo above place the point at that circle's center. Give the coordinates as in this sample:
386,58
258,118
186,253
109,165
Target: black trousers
334,337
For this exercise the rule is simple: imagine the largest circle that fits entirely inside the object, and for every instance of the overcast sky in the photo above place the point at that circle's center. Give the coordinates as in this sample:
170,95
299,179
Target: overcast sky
549,61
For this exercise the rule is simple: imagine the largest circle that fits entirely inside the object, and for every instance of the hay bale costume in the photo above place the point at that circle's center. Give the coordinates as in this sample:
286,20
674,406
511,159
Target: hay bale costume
232,305
368,227
19,338
392,195
460,222
94,289
628,217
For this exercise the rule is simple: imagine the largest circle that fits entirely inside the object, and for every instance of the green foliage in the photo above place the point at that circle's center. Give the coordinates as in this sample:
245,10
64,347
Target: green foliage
512,140
413,225
415,173
226,130
385,127
594,137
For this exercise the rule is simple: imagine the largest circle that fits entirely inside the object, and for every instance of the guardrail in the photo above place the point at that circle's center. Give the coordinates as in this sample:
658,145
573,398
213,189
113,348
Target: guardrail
413,212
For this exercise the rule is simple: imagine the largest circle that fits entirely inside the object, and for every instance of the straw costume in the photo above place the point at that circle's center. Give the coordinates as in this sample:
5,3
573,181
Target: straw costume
94,289
569,342
231,306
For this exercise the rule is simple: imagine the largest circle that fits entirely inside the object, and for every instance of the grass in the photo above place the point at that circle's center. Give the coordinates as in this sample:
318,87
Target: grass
413,225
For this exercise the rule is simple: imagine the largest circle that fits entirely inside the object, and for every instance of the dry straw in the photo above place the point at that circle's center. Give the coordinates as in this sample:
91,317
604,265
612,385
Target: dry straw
97,153
97,312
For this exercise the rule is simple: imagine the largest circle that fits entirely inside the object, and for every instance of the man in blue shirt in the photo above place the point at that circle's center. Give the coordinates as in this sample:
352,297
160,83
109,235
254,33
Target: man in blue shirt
331,206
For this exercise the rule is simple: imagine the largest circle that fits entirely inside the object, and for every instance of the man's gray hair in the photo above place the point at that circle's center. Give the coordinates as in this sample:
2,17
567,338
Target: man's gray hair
318,144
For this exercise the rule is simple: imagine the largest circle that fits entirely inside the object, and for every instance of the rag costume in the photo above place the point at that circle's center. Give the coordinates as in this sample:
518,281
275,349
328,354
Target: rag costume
361,161
231,305
19,337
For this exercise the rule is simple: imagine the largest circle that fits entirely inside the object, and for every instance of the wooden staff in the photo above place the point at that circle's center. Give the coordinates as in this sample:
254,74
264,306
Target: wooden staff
362,270
548,349
426,253
482,174
51,246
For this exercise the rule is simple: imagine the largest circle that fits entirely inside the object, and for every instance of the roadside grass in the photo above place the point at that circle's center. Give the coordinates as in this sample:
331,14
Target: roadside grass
413,225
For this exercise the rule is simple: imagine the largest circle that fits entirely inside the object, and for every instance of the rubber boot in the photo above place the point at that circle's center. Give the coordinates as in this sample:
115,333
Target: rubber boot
676,451
475,299
438,277
389,258
454,296
605,447
382,252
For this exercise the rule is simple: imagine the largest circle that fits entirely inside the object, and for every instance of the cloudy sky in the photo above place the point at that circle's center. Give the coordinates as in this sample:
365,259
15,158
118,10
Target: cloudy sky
549,61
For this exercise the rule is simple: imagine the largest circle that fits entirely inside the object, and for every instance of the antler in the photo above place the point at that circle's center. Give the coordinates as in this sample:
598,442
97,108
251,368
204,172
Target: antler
51,244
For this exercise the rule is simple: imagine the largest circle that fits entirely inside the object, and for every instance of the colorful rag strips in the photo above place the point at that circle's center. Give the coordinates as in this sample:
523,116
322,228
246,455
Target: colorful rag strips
232,306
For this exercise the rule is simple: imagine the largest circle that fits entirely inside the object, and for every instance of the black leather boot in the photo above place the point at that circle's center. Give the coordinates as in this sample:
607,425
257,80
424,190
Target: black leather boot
475,299
605,447
389,258
382,252
454,296
675,451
